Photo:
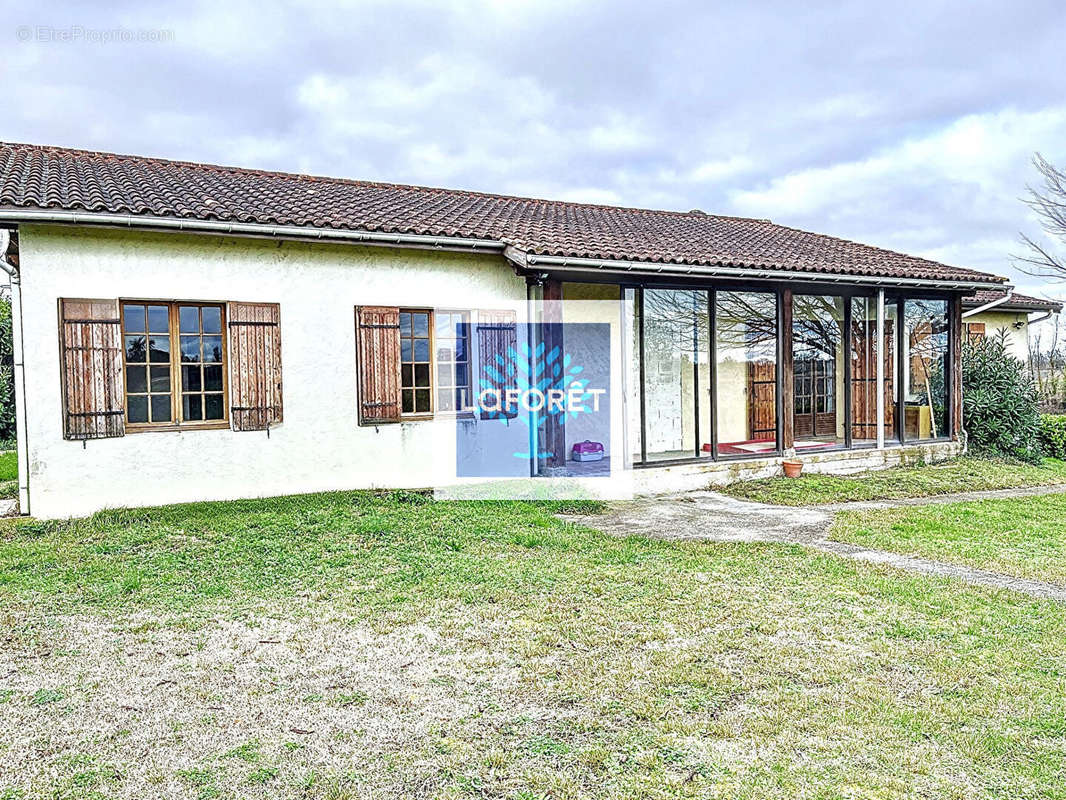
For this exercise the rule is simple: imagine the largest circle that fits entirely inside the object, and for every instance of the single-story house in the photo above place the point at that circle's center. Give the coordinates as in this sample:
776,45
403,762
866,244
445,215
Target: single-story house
995,312
188,332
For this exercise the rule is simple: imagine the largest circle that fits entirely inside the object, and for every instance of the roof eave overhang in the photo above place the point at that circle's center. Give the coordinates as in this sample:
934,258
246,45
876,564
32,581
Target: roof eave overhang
250,229
563,264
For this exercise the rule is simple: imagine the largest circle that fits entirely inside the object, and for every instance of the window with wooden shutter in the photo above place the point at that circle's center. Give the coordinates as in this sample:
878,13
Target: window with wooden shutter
91,352
497,337
378,357
255,359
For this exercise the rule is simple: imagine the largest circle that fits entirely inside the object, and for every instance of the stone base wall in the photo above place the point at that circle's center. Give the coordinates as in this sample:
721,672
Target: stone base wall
693,477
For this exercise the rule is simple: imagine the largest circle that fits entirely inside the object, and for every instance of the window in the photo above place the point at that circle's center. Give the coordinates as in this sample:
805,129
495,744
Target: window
175,363
452,340
975,331
415,348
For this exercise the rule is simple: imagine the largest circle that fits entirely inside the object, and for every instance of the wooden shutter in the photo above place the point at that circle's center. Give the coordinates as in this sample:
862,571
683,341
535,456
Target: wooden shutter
497,338
255,365
91,353
377,345
975,331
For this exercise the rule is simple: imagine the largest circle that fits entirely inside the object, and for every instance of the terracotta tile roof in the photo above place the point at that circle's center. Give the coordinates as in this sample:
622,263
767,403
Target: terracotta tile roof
1017,302
38,177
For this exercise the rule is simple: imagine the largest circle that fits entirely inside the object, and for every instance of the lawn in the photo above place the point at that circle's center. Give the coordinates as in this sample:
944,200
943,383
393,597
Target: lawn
9,474
1025,537
924,480
352,645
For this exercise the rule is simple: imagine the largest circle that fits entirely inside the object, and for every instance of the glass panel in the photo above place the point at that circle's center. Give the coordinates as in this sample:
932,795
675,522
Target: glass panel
405,349
422,401
446,375
925,367
160,379
705,395
137,408
135,349
189,319
213,378
672,319
420,324
407,375
212,319
818,370
460,344
408,401
421,350
213,406
746,368
631,363
190,379
421,374
158,319
161,408
159,348
190,348
213,349
136,380
192,407
445,400
405,323
133,318
462,375
864,370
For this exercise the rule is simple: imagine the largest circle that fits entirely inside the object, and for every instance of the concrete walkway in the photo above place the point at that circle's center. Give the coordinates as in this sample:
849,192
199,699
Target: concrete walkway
713,517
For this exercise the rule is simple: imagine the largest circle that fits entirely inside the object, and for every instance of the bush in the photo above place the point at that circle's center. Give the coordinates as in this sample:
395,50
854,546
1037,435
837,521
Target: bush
7,373
999,407
1053,435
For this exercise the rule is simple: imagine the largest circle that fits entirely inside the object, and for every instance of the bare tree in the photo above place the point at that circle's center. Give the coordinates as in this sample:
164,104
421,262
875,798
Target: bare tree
1048,202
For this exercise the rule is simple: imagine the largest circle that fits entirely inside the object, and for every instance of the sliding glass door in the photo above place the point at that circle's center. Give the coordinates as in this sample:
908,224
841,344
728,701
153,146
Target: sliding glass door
746,372
818,372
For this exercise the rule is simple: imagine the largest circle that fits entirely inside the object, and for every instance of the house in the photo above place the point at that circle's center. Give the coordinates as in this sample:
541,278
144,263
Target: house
993,312
187,331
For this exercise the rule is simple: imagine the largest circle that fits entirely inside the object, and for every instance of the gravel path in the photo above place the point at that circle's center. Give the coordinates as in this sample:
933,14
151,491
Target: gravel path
713,517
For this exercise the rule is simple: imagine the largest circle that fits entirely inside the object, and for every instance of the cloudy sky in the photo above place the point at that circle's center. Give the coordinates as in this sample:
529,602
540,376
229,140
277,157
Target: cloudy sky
906,127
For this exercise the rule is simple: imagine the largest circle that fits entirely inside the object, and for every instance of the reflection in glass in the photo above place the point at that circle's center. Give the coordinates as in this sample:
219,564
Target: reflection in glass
159,349
161,408
136,380
631,337
189,319
137,408
818,371
158,319
925,365
192,407
746,372
133,318
213,407
864,370
190,348
212,319
672,322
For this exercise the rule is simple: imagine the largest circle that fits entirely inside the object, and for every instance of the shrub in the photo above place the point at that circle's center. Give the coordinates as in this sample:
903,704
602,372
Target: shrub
999,408
7,373
1053,435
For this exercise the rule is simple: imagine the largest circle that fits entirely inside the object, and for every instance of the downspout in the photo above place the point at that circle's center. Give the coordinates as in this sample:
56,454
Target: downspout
21,433
988,306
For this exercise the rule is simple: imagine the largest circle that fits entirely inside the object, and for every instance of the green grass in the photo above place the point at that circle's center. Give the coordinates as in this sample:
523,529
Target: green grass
1025,537
9,475
925,480
588,665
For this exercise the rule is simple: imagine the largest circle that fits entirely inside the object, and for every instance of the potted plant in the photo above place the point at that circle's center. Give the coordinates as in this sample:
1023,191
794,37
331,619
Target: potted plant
793,467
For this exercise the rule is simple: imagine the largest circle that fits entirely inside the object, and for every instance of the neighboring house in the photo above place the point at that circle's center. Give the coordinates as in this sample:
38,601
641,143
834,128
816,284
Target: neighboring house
993,312
194,332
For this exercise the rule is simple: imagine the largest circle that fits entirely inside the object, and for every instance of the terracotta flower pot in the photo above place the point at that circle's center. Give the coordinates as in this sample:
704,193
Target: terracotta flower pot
792,468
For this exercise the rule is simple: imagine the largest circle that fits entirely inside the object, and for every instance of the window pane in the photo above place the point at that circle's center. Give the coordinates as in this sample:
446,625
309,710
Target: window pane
159,348
818,366
460,348
462,375
407,375
422,400
135,349
213,349
161,408
421,350
405,349
405,323
137,408
133,318
160,379
444,400
189,319
190,379
190,348
212,319
136,380
192,407
671,319
422,375
444,351
925,367
864,369
158,319
746,348
408,401
213,378
213,406
420,324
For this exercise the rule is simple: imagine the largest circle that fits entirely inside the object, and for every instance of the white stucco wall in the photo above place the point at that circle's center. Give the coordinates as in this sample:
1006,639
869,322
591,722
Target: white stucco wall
320,445
996,321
